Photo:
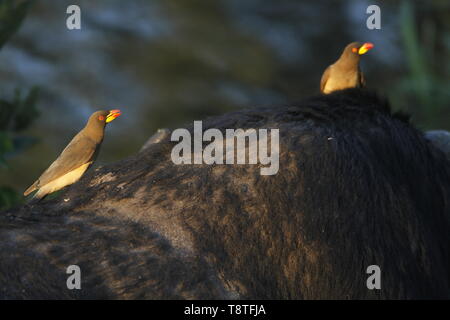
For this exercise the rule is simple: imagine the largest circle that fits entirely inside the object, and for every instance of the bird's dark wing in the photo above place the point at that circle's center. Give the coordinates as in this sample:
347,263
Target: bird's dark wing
79,151
324,79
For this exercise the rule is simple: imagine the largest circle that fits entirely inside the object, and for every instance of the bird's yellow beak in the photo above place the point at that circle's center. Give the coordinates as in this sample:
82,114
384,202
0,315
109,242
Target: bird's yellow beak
365,47
112,115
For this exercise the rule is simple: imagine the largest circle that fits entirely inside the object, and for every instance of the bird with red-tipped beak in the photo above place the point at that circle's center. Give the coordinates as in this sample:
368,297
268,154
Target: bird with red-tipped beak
76,158
345,72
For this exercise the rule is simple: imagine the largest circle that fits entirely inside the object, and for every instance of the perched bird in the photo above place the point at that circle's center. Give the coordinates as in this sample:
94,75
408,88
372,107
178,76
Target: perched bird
76,158
345,72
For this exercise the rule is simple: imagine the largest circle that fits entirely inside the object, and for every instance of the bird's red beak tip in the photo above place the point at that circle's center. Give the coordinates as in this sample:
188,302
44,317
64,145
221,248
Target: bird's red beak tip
368,45
115,112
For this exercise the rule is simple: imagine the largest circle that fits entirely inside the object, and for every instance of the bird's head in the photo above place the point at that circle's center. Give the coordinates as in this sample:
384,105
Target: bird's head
358,49
97,123
104,117
99,119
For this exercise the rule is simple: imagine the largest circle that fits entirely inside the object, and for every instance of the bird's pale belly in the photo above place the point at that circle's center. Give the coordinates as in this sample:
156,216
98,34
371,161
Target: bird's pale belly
340,83
65,180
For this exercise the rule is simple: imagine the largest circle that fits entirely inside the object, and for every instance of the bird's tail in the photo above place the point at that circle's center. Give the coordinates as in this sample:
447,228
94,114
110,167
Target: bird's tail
30,189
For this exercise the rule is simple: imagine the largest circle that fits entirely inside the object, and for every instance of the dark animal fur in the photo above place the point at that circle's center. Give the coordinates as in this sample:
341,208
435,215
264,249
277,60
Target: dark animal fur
357,186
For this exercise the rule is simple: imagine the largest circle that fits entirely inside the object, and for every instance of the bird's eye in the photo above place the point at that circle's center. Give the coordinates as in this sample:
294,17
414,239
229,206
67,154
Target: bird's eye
354,49
101,118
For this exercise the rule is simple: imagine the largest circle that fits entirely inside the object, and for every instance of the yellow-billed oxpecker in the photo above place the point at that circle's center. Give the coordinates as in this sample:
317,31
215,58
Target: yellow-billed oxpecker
345,72
76,158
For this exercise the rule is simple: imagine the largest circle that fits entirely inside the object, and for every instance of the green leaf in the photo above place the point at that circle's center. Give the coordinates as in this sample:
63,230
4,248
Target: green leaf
12,13
26,111
8,197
